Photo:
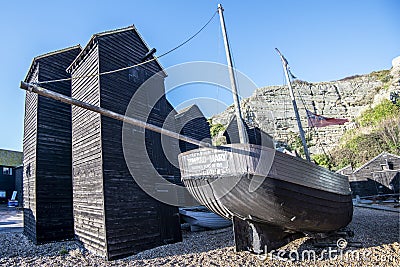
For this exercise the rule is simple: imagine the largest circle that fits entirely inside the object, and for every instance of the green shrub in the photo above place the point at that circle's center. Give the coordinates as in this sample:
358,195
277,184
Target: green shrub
63,251
357,146
216,128
295,143
382,75
374,116
322,160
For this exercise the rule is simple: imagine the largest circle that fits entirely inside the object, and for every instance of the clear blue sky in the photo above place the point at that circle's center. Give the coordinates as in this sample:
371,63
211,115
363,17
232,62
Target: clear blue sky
323,40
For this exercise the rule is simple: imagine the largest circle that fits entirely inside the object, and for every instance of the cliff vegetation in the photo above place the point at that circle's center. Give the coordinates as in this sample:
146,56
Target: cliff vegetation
377,129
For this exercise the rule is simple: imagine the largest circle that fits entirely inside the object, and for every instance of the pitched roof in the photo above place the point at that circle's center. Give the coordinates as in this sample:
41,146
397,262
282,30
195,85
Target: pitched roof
10,158
192,108
380,155
105,33
345,168
37,58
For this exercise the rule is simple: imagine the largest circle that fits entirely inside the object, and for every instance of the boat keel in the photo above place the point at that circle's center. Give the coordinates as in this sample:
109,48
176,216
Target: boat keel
260,238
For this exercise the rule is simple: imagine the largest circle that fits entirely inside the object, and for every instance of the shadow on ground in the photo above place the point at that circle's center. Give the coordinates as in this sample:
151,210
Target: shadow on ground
11,219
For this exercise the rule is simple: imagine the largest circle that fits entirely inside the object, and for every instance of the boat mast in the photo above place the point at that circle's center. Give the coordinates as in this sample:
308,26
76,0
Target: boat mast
242,132
296,111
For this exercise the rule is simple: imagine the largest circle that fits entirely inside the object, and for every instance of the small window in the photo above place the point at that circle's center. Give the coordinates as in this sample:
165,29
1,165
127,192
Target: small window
387,166
390,165
7,171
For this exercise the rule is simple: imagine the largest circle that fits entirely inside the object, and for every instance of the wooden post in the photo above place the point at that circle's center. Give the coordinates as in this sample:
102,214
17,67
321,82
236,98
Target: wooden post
242,131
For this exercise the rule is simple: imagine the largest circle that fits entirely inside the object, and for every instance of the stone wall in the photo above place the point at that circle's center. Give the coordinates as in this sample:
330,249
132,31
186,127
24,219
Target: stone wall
270,107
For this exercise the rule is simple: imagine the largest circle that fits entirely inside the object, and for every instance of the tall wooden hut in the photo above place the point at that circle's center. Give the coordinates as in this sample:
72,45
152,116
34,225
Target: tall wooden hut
47,177
113,216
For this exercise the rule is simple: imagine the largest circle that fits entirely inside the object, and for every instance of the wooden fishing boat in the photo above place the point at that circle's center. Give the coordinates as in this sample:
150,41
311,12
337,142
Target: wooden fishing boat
271,197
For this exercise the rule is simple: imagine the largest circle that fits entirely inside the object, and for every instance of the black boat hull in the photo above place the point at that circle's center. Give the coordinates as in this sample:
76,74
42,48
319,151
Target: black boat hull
276,203
290,206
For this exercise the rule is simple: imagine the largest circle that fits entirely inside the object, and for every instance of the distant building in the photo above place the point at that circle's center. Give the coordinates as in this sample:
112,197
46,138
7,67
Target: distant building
10,174
380,175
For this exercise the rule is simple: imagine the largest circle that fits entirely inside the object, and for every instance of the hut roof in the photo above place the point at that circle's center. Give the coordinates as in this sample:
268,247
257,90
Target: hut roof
194,109
347,168
37,59
93,39
377,157
255,134
247,125
10,158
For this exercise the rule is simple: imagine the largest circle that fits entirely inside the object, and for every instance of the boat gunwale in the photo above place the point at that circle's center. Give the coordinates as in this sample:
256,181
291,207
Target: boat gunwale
228,146
321,178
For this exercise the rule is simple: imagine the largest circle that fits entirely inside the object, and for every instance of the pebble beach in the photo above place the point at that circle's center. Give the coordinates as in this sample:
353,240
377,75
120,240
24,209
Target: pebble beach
376,242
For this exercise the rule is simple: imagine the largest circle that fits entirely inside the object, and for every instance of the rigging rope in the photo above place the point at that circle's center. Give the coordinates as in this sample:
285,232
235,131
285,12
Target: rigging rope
313,128
136,65
285,122
234,69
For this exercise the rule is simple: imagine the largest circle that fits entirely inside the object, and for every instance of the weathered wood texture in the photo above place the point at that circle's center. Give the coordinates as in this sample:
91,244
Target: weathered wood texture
30,151
19,185
192,123
255,135
114,217
267,187
87,163
47,178
378,176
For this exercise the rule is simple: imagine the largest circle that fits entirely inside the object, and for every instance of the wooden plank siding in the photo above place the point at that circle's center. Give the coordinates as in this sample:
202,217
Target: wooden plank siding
255,135
114,217
47,177
380,175
87,160
192,123
29,162
19,185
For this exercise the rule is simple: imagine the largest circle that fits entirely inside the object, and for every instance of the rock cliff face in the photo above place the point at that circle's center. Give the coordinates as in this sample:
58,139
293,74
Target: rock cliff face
271,109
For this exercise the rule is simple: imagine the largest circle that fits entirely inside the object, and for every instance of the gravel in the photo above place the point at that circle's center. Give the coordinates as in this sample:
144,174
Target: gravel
377,232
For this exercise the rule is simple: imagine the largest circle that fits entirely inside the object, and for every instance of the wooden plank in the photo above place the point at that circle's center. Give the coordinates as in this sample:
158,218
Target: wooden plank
114,217
47,178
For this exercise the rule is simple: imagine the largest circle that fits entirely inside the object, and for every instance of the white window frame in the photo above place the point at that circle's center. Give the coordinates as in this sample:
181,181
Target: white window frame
7,171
